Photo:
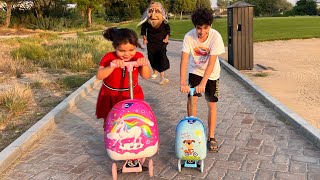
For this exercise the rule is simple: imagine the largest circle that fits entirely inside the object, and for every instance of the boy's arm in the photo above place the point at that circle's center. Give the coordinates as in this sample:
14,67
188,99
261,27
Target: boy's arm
183,72
202,86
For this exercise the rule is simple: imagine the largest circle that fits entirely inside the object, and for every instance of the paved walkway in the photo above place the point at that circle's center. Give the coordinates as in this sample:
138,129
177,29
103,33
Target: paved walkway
255,141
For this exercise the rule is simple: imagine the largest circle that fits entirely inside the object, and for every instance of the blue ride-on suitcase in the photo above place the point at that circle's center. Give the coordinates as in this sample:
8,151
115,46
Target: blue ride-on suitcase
190,142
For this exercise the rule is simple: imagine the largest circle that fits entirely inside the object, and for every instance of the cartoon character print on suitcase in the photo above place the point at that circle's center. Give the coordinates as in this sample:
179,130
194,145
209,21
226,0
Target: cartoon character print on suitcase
131,131
191,139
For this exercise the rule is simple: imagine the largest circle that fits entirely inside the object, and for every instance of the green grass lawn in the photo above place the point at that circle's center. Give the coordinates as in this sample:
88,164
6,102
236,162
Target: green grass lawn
265,29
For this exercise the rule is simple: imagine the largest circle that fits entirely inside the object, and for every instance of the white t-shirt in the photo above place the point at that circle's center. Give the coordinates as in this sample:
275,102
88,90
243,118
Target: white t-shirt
199,53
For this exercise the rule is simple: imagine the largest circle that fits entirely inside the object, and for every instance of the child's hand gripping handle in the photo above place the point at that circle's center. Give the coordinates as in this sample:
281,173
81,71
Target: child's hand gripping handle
129,65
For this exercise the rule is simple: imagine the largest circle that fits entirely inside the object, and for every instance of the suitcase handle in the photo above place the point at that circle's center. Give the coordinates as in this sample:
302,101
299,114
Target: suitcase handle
129,65
191,91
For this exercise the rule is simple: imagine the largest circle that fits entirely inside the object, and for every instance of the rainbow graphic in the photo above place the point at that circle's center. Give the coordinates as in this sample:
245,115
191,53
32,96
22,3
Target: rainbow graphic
132,120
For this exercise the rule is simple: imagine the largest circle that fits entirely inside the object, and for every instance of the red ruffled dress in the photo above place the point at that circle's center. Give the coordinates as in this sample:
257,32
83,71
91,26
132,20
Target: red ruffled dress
118,79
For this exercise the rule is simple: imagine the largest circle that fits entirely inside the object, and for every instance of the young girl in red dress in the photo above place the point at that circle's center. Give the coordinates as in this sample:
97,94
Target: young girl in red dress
115,85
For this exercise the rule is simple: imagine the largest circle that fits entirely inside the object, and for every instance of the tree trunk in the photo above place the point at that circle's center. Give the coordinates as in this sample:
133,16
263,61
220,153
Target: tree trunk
39,12
181,15
82,12
8,14
198,4
89,20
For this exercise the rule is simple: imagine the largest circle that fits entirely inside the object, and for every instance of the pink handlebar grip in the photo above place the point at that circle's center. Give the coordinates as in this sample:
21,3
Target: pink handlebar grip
129,65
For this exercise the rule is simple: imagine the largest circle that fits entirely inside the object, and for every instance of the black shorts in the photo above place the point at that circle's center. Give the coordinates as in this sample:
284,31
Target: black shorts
211,91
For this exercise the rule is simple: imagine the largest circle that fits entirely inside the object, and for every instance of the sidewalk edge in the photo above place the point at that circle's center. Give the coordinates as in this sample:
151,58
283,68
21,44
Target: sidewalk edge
14,151
301,125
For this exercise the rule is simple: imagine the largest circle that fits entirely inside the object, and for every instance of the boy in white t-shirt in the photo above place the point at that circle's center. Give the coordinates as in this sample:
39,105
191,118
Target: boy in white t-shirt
201,47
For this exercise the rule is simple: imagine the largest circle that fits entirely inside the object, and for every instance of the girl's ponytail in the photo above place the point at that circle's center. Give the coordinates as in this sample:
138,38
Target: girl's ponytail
121,36
110,33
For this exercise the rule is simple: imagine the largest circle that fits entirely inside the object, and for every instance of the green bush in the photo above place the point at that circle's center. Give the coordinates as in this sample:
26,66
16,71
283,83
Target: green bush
261,74
77,55
48,23
54,18
80,34
119,11
20,18
2,17
31,51
48,36
18,41
16,98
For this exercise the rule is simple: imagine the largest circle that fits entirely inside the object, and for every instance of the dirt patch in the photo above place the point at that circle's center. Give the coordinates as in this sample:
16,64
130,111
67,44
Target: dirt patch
46,94
292,75
17,32
43,100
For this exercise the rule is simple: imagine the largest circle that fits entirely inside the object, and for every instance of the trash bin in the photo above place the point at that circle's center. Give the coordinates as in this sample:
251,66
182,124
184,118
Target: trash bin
240,35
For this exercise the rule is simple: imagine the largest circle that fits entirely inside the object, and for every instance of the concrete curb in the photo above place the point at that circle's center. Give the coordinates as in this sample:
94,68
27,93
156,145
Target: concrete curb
38,130
301,125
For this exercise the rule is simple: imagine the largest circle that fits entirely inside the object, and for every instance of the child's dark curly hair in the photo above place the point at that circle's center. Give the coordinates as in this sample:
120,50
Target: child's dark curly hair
121,36
202,16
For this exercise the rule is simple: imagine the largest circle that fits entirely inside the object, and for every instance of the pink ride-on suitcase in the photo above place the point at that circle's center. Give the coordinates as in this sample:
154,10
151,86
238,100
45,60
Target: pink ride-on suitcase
191,141
131,133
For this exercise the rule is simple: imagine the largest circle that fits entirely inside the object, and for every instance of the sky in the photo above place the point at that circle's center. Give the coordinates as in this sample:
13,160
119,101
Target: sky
293,2
214,2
